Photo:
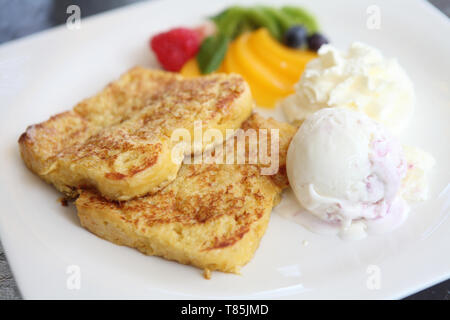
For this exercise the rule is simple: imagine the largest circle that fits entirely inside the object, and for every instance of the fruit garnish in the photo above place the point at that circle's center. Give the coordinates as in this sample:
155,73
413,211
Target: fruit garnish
315,41
270,68
295,37
232,21
191,69
236,20
268,46
175,47
206,29
212,52
261,18
286,61
300,16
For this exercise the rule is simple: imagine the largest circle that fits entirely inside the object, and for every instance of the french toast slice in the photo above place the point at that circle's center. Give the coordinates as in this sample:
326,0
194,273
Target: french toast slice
211,216
119,141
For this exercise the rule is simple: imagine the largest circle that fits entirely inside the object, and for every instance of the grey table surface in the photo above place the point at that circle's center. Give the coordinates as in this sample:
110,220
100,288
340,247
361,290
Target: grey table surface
24,17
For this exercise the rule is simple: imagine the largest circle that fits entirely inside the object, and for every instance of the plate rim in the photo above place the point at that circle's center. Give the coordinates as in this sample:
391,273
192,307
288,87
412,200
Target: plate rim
11,257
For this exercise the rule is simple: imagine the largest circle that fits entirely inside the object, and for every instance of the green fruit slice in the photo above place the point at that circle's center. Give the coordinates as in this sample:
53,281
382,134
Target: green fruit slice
283,20
260,18
212,52
303,17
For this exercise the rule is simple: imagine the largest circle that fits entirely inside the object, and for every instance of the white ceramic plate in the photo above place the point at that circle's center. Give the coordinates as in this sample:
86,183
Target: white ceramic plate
49,72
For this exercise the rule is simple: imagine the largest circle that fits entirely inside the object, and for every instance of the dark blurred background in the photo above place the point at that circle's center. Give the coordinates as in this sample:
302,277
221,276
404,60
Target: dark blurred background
19,18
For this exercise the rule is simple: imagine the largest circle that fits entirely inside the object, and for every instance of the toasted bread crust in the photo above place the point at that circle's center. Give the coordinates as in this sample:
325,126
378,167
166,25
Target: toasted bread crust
118,141
211,216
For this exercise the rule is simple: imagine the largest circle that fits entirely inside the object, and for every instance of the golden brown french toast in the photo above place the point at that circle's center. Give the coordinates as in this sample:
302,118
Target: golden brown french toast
119,141
211,216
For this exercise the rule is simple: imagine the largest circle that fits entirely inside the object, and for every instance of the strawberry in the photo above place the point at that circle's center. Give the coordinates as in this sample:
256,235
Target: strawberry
175,47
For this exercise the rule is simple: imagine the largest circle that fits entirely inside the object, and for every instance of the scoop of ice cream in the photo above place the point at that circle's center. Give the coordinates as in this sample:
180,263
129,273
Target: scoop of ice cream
360,79
344,166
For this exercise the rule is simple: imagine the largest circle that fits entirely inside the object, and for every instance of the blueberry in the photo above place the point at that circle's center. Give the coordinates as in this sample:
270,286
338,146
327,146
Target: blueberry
315,41
295,36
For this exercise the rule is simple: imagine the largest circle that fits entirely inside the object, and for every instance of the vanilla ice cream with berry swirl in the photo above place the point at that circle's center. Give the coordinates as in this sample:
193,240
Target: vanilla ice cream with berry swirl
345,167
361,79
